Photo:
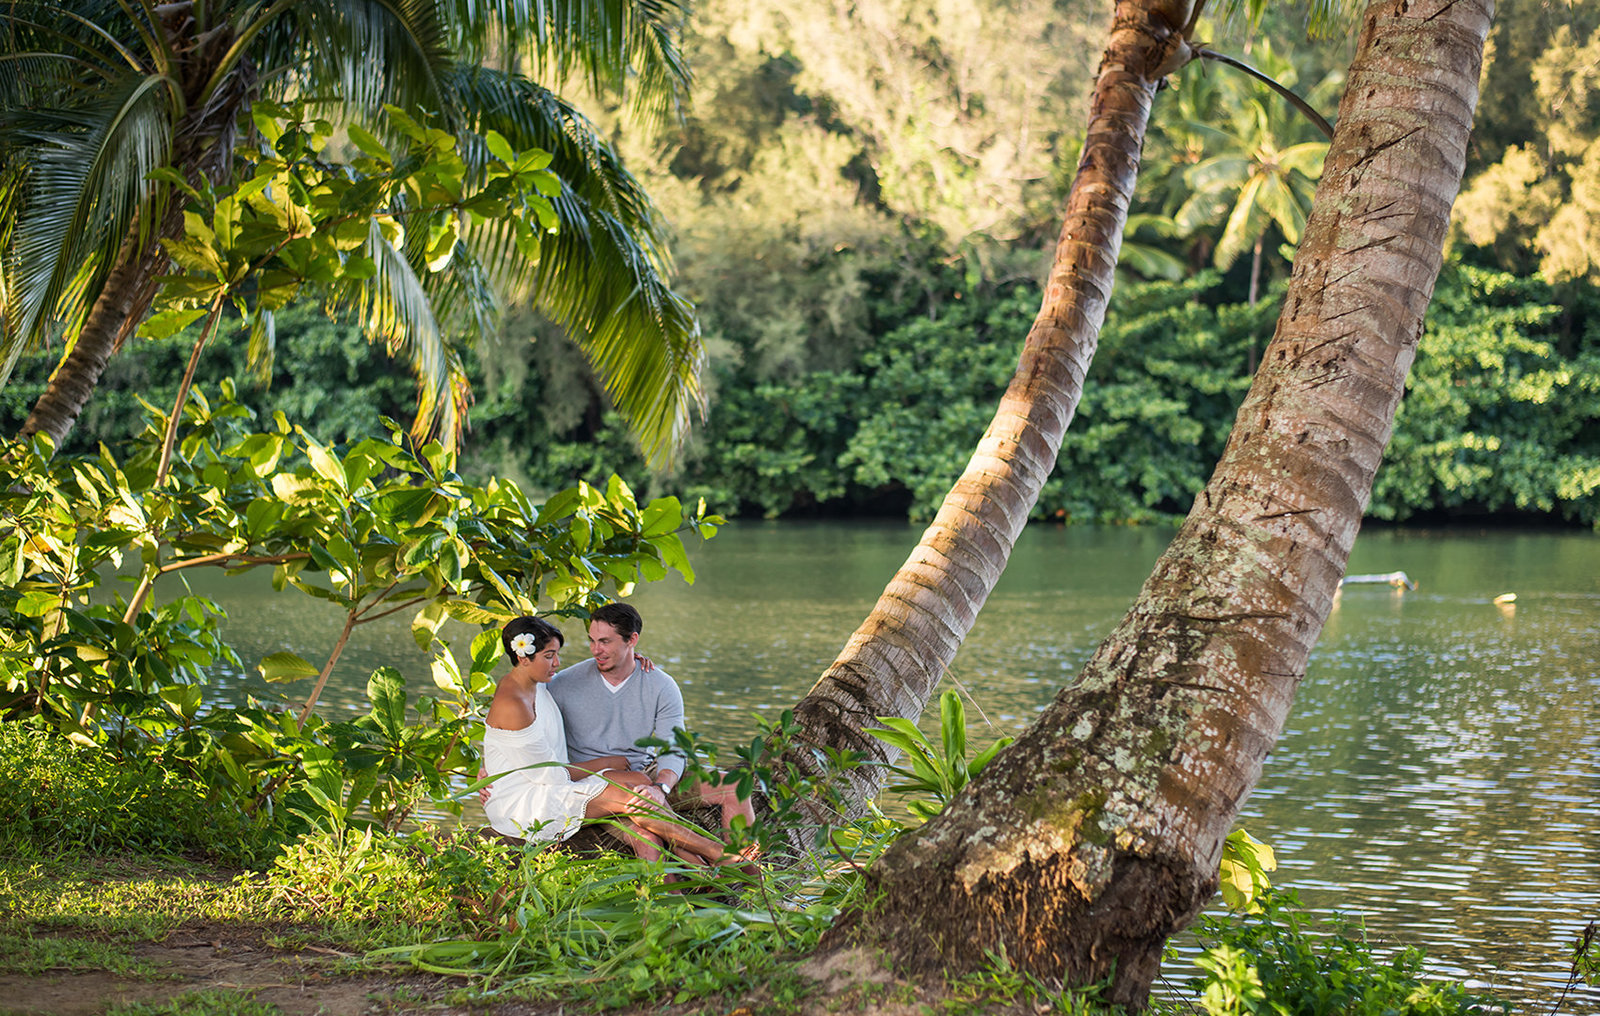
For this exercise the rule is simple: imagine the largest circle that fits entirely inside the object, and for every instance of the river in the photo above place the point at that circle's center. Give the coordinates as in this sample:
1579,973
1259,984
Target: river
1438,778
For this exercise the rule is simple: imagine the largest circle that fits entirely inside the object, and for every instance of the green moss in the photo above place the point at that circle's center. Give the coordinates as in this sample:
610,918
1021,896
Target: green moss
1078,815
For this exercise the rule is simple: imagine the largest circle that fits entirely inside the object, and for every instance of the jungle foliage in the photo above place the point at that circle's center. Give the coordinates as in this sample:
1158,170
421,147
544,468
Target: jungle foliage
375,528
863,288
1500,417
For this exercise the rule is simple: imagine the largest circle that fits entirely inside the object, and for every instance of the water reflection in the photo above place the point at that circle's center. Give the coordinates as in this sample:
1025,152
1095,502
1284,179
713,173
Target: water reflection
1439,777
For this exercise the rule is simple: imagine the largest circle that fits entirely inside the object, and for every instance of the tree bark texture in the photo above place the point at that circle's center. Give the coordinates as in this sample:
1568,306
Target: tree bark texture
890,665
1097,835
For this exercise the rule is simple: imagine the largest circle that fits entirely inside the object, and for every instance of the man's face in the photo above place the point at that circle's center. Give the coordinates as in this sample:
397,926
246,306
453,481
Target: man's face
610,650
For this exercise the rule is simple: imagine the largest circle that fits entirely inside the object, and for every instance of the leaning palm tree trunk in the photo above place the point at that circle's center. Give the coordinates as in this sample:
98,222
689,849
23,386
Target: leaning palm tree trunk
1084,846
116,310
893,661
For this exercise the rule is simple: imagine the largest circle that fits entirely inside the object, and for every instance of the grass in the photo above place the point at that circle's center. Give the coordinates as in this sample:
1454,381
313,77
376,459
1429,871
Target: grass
199,1003
131,897
29,956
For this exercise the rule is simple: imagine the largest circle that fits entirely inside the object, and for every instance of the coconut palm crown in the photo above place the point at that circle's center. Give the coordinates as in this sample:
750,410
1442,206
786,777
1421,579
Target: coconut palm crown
95,95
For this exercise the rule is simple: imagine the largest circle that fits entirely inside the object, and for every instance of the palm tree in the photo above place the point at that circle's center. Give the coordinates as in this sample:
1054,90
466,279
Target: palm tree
1080,849
1262,169
96,95
892,662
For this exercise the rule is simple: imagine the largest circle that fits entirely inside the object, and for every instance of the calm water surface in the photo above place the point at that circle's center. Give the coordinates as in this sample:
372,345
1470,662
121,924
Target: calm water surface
1439,777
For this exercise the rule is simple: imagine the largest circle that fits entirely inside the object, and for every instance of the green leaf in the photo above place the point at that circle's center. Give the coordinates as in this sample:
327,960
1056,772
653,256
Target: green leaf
426,623
499,147
487,650
38,603
286,666
386,690
953,729
167,323
368,143
476,613
660,517
11,562
410,506
184,700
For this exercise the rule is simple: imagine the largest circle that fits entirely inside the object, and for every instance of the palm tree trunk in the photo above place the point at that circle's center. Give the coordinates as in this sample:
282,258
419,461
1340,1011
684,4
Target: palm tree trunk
893,661
106,325
1096,836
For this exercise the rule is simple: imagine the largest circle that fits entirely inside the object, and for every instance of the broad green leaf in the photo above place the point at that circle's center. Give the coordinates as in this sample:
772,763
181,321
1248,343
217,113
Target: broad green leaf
661,516
296,489
499,147
326,464
476,613
386,690
38,603
368,143
11,562
167,323
411,506
286,666
425,625
184,700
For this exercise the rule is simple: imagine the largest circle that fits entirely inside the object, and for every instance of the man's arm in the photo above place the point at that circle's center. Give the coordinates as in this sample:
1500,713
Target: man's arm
669,717
588,767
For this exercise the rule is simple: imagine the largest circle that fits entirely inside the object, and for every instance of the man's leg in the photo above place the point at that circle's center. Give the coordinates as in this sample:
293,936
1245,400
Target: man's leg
723,794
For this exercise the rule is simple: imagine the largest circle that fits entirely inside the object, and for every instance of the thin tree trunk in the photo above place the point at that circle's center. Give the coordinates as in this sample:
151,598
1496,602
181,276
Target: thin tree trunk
1096,836
327,668
893,661
1255,291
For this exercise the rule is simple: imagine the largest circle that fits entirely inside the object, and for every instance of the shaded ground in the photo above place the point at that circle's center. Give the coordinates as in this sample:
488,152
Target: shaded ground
199,957
314,981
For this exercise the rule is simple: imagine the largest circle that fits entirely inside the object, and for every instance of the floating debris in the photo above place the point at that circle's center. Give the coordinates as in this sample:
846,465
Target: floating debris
1398,579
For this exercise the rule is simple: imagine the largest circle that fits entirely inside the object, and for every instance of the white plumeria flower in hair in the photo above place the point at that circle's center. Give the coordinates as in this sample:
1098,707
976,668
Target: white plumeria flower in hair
524,644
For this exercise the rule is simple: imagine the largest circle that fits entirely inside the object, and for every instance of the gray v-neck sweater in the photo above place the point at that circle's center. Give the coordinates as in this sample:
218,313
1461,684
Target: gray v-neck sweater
602,722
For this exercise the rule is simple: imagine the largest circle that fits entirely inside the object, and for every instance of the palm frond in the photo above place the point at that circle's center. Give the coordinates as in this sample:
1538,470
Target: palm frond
1243,224
86,188
393,307
604,275
352,56
617,47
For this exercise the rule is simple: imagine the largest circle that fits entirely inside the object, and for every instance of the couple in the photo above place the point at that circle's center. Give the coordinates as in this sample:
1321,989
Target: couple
587,719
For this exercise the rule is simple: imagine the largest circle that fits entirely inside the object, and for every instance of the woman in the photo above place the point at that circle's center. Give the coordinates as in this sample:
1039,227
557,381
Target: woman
523,729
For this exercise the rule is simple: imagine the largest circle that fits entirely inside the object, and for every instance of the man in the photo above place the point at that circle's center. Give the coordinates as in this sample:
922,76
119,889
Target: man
615,699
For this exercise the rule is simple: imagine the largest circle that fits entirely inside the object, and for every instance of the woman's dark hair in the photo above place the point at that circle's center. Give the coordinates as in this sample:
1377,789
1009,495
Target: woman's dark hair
543,634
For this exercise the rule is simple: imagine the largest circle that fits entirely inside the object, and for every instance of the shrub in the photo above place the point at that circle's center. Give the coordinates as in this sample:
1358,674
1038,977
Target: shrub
62,797
1274,961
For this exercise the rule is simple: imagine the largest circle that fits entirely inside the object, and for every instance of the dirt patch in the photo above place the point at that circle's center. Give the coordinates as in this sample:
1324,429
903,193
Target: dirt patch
298,984
311,981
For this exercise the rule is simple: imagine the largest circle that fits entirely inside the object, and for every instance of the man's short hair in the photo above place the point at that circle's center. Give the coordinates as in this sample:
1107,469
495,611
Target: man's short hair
543,633
621,617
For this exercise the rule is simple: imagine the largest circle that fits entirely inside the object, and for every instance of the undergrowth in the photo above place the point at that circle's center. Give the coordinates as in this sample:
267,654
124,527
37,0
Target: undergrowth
595,930
61,797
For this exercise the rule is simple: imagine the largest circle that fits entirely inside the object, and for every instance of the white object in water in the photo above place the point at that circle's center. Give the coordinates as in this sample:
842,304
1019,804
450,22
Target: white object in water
1398,579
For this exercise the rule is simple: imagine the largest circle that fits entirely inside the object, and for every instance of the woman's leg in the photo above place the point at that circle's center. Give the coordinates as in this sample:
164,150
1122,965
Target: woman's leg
645,814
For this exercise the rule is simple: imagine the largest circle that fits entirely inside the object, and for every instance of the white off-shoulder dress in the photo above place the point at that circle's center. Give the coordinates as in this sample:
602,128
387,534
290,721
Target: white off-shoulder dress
541,803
